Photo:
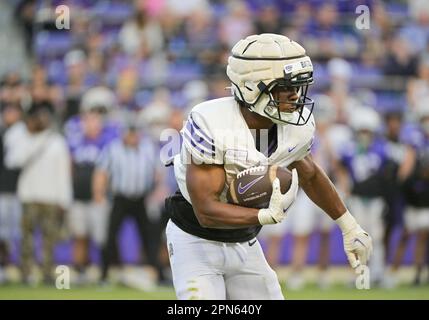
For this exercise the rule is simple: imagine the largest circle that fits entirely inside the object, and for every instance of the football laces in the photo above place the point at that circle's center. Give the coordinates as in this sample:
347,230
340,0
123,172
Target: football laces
251,170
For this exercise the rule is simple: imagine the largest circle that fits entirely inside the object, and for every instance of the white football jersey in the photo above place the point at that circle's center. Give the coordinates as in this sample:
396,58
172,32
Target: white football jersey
216,133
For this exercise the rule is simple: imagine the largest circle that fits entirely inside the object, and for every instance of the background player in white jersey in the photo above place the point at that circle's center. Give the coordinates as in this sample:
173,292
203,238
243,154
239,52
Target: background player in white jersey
212,245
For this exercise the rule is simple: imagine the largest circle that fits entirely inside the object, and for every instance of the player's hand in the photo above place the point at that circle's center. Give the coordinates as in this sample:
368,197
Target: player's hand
357,242
358,246
279,202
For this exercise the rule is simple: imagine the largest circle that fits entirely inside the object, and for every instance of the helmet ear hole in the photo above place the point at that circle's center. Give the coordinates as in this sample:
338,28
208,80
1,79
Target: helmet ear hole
249,85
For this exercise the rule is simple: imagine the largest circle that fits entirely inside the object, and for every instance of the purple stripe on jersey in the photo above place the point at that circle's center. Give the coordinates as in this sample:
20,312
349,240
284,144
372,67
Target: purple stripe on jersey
194,125
197,138
272,147
272,135
197,145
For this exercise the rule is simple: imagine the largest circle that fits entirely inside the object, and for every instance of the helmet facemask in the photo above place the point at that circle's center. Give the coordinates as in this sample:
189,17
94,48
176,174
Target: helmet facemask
268,106
294,115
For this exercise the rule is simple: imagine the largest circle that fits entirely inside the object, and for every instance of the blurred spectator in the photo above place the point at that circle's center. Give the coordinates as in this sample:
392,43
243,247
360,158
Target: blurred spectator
76,81
87,134
142,36
268,20
199,30
419,10
13,89
10,208
126,87
25,13
326,37
186,9
381,24
128,166
418,28
362,164
156,114
237,24
400,163
44,185
400,60
418,88
195,92
416,192
340,74
41,89
300,20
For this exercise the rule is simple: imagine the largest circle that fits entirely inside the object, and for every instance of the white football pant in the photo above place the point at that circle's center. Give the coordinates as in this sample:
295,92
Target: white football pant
369,214
204,269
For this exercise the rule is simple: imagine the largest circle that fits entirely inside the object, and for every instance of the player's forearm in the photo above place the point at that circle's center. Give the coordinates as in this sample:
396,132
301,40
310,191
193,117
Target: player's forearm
219,215
323,193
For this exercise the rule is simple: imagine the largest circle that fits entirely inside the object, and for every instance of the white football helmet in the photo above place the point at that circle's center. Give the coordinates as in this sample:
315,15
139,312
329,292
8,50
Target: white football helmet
98,98
365,118
262,62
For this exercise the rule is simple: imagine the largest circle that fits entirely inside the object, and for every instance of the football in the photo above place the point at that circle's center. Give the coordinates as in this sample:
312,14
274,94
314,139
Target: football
253,187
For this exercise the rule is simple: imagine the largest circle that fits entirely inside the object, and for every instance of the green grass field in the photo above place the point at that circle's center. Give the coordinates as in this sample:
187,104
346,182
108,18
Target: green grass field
16,292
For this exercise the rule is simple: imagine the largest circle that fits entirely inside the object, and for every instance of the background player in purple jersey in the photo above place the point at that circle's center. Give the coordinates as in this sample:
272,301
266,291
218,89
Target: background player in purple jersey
87,134
416,192
362,164
401,157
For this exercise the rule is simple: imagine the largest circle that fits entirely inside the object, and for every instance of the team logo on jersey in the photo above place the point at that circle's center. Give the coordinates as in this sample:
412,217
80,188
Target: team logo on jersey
291,149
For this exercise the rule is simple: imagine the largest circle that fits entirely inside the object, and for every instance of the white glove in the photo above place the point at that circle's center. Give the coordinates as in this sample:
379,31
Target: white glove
279,203
357,242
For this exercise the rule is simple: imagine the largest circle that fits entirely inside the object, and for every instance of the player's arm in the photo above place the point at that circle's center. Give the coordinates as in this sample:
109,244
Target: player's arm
320,189
205,183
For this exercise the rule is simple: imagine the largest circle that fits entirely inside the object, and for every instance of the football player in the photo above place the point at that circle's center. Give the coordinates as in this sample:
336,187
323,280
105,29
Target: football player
87,134
212,246
401,158
416,192
362,167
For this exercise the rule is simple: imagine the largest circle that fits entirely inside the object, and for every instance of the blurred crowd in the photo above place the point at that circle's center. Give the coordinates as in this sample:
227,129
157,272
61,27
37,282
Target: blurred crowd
80,127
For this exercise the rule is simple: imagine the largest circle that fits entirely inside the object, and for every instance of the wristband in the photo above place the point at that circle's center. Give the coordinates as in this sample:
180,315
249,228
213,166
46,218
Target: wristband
265,217
346,222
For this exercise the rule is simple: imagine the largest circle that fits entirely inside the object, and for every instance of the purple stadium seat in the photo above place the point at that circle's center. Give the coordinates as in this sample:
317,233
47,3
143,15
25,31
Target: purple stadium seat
112,13
52,44
387,101
56,71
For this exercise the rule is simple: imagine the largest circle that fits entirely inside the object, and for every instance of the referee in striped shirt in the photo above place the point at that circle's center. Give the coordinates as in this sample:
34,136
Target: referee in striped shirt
128,167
